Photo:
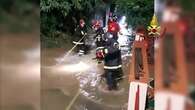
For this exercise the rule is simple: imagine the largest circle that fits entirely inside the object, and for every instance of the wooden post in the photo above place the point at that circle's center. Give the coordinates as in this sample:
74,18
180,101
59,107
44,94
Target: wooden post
139,56
138,77
170,69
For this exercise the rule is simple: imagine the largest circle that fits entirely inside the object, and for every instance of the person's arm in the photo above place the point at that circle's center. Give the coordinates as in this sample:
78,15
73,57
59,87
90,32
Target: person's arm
98,32
118,27
112,49
76,29
85,30
95,35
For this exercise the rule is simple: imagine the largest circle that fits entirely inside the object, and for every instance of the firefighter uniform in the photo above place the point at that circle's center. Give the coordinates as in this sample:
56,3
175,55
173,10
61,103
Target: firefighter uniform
81,32
100,43
112,64
99,37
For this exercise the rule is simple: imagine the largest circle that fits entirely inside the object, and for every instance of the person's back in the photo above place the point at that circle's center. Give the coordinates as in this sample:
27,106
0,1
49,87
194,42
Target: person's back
113,55
99,37
112,64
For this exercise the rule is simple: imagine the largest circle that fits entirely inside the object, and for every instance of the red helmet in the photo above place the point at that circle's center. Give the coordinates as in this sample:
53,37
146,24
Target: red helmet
81,21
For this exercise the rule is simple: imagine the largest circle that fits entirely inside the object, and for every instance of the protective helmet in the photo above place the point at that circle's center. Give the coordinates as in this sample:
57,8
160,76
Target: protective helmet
81,21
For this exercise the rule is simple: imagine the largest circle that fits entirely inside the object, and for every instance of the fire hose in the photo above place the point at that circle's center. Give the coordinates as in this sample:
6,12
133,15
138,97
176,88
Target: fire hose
69,52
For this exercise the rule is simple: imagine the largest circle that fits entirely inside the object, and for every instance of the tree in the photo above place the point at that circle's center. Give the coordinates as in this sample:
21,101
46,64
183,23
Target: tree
138,12
62,16
55,14
12,11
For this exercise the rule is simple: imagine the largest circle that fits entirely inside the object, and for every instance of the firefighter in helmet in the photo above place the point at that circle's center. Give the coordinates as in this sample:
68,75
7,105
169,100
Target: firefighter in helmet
113,27
99,40
79,39
112,63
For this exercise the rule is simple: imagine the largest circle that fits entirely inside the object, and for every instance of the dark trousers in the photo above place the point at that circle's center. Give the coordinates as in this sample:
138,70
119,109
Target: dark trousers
100,43
81,47
113,77
111,80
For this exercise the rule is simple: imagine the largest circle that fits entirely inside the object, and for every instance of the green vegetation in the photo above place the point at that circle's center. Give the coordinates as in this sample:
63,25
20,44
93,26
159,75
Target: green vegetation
139,12
60,17
188,5
19,15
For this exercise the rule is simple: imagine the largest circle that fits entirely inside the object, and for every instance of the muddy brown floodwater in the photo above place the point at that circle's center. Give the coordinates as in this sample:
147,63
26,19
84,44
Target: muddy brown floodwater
19,72
79,87
65,83
74,83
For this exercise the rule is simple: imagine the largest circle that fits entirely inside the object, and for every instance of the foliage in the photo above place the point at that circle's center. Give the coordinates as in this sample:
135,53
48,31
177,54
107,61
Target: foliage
188,6
62,12
61,6
63,15
19,15
138,12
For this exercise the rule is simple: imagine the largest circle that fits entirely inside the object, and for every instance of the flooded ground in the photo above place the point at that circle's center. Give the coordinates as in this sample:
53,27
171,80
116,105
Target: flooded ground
19,72
87,83
65,83
75,83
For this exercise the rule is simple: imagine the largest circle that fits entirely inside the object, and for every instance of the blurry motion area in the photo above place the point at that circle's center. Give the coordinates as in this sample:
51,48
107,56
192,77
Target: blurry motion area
19,16
19,55
174,73
139,73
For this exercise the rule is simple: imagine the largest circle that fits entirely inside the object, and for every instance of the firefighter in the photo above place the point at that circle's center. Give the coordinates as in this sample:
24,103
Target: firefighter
99,37
99,40
81,32
112,63
113,27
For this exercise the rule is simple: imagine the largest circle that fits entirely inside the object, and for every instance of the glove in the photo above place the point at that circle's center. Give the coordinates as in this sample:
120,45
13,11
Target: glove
82,33
105,51
116,45
100,54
